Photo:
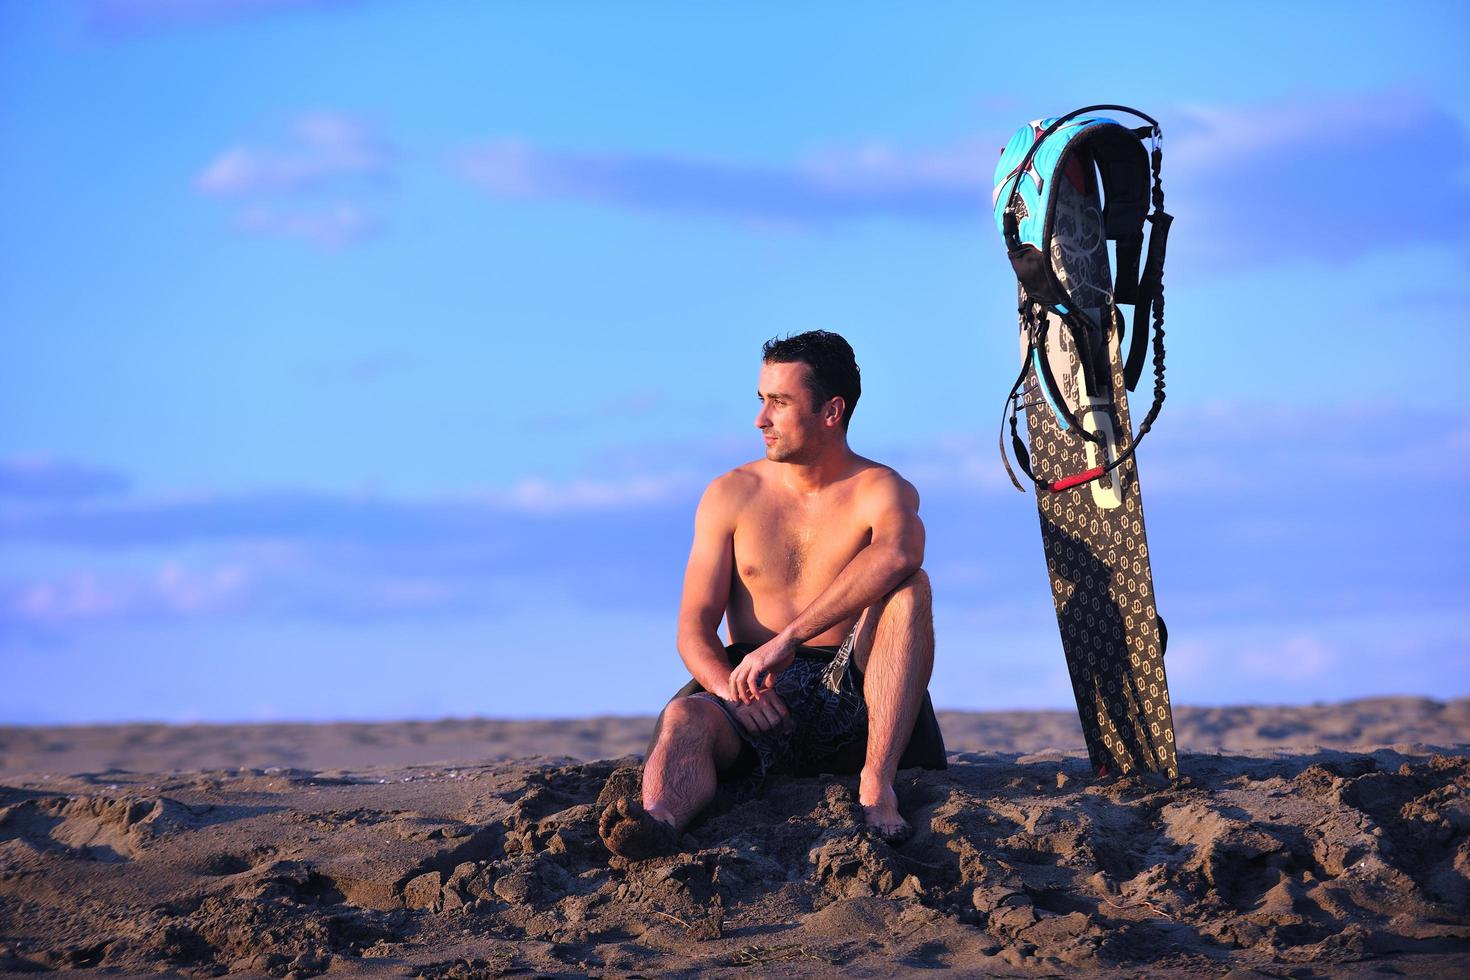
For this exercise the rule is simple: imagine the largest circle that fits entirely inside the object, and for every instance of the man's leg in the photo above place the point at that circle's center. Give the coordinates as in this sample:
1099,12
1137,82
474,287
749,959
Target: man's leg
692,743
895,651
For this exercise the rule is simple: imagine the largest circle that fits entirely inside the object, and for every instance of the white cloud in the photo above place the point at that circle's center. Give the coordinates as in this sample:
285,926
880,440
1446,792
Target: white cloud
1295,656
277,187
173,589
1218,137
1314,658
328,147
546,497
336,224
966,166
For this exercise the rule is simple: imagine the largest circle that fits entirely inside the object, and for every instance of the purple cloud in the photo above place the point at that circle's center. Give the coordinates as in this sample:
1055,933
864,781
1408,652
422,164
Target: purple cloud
42,479
351,558
1257,514
1330,180
121,17
874,181
248,581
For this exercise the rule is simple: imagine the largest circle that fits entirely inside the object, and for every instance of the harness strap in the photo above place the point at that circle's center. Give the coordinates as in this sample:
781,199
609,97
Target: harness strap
1081,328
1000,440
1149,288
1125,283
1023,455
1151,285
1049,387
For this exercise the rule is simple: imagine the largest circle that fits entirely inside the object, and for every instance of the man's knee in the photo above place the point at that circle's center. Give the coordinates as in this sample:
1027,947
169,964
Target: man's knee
908,611
688,719
691,725
912,595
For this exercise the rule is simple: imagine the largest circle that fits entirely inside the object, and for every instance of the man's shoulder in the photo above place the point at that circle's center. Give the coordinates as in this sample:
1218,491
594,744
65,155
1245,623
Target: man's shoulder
884,485
733,487
875,474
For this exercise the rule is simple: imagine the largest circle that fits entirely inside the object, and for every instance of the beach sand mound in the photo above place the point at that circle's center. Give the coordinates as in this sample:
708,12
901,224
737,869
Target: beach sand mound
1020,864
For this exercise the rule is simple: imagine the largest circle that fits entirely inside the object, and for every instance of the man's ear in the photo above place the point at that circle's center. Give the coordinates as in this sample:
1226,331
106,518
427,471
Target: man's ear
832,411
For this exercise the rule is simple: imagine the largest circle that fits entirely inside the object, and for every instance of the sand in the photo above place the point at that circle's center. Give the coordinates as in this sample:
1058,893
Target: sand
1331,840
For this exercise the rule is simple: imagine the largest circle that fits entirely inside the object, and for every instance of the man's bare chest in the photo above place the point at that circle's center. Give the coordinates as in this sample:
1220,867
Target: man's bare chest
795,547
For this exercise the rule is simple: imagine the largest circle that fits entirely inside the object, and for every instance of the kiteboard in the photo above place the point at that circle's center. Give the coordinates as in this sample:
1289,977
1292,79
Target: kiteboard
1088,494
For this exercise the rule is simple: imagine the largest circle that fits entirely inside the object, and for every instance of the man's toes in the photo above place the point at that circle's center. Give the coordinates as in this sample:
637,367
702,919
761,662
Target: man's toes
614,824
890,827
894,833
630,832
611,816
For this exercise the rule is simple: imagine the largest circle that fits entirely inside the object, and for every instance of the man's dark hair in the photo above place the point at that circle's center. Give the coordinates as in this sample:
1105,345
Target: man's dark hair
834,370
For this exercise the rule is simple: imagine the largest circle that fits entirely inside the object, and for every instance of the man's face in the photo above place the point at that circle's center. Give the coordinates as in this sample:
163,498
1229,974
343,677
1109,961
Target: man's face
791,424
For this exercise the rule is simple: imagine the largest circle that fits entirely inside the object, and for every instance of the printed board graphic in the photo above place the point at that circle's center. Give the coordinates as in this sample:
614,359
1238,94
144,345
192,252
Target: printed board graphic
1096,547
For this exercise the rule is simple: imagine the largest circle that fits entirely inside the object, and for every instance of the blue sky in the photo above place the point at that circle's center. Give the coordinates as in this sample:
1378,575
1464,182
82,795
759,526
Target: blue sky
366,359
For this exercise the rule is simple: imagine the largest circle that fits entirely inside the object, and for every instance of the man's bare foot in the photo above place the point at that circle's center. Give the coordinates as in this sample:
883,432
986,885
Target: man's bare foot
880,811
629,831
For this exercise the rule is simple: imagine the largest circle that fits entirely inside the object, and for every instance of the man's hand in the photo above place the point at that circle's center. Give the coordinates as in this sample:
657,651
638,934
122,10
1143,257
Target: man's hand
759,669
766,713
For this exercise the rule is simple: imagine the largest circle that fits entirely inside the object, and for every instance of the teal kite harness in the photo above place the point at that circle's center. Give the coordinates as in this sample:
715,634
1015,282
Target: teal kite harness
1024,202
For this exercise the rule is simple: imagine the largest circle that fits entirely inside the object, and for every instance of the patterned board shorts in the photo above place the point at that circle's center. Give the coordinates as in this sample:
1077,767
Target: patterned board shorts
823,691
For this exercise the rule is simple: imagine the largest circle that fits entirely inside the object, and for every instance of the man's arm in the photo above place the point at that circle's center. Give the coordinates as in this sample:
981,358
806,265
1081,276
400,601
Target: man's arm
895,552
707,580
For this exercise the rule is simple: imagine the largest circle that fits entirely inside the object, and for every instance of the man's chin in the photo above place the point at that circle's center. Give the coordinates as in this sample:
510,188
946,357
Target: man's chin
783,454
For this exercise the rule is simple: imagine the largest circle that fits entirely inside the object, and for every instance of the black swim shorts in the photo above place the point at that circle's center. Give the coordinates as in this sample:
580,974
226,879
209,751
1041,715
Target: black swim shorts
823,691
925,748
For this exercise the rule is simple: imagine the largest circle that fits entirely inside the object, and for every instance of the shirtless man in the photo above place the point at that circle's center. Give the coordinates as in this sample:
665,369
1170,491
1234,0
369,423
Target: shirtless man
809,548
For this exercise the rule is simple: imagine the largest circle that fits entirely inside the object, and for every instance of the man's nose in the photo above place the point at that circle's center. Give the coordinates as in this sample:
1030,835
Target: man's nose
762,418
